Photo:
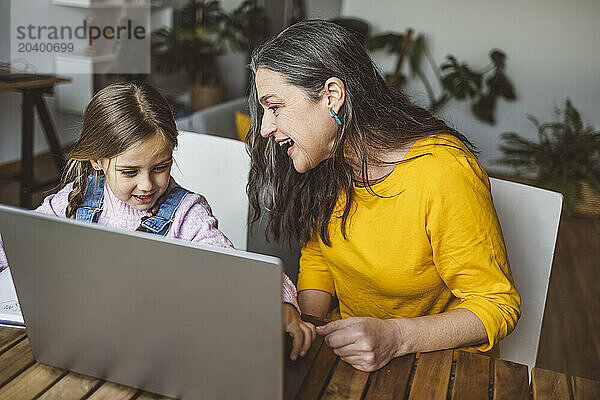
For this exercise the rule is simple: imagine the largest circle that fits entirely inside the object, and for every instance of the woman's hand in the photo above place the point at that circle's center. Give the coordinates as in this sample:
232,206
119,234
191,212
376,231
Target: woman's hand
369,343
365,343
302,333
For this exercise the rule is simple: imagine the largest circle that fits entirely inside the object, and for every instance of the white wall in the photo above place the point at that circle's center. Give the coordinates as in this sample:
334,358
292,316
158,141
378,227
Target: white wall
551,46
325,9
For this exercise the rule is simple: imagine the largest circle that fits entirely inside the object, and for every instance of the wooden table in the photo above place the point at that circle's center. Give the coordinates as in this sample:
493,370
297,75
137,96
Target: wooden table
423,376
33,88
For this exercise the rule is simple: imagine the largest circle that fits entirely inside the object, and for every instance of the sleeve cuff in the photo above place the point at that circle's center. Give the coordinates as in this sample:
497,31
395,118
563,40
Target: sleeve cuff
314,283
289,293
494,325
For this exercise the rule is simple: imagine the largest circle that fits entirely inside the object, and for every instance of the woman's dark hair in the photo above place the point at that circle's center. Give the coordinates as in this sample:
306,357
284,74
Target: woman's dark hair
374,116
118,117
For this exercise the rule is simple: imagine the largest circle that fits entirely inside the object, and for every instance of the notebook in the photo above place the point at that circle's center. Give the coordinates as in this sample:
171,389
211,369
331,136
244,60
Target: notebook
10,310
164,315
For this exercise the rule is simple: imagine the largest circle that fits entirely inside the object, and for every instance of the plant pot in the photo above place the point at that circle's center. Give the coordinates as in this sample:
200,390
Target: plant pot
588,202
206,96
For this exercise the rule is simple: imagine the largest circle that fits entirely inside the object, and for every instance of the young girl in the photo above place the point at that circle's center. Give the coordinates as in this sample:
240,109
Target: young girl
119,176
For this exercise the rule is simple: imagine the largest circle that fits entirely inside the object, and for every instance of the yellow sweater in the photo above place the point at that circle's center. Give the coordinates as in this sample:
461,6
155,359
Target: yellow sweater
433,246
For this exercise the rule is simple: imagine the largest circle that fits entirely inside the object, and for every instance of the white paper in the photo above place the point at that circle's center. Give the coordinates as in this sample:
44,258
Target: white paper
10,310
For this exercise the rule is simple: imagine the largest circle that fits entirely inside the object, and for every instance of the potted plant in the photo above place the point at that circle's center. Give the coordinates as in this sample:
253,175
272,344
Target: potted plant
565,158
245,26
482,88
200,33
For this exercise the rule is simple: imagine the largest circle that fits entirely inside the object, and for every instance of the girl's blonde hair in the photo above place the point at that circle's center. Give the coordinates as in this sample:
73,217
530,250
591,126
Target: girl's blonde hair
120,116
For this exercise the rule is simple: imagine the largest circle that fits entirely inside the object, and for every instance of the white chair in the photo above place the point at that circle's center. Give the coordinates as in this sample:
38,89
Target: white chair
529,218
218,120
217,168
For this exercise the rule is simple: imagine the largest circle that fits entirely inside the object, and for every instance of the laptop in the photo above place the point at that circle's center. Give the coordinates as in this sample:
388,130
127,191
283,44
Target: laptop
163,315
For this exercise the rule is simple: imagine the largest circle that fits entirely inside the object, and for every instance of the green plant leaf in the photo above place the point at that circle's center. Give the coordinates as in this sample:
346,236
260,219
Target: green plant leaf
484,107
415,56
390,42
500,86
566,154
572,117
498,58
460,81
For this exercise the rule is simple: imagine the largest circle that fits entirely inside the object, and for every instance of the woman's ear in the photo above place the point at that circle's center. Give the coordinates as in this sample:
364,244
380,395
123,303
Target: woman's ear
96,165
334,93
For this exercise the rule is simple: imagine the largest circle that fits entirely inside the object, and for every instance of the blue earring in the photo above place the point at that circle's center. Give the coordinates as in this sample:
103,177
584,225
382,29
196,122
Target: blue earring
334,116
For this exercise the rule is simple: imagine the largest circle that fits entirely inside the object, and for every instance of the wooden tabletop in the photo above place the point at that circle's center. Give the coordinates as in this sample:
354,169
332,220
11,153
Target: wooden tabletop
45,81
449,374
434,375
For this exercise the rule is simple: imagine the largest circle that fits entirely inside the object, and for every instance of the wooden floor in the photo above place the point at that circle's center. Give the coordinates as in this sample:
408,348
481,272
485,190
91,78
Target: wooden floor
570,340
44,170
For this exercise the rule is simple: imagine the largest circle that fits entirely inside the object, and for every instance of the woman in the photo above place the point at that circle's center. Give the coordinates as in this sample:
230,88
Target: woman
392,208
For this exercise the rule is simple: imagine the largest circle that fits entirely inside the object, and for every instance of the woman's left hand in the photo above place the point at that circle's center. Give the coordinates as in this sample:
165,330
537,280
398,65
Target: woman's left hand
365,343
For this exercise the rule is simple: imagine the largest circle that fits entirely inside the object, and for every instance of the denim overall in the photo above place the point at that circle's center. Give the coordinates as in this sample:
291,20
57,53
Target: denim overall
158,224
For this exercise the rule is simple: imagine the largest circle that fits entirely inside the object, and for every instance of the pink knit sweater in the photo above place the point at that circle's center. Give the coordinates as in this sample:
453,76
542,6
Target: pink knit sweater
193,222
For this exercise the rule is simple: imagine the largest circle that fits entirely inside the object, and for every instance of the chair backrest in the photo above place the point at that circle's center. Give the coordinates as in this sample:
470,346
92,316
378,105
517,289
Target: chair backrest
529,218
216,168
218,120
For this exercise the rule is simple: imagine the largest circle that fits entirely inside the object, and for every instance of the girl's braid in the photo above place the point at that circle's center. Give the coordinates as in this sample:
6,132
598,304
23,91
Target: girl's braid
78,170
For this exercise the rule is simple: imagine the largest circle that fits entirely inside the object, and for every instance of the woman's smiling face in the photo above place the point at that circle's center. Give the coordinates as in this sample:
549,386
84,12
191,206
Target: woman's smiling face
303,127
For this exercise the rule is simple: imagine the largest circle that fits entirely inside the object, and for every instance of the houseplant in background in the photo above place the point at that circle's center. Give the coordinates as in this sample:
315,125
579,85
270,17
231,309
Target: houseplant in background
201,32
192,47
565,158
482,88
245,26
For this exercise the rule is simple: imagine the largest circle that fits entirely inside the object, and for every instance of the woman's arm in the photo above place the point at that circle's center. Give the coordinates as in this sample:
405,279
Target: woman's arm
315,283
370,343
450,329
314,302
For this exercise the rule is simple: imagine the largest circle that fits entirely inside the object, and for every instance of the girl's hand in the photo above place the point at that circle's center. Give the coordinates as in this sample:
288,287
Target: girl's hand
365,343
302,333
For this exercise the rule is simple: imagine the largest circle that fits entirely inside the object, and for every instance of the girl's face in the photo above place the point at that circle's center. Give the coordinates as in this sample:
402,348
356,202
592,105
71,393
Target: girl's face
303,127
141,174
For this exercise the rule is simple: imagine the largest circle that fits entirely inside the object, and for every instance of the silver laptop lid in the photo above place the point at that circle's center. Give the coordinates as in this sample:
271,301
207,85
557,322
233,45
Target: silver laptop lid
159,314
